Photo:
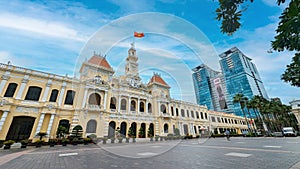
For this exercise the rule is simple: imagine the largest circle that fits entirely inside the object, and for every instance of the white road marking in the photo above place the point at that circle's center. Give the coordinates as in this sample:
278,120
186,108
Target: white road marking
272,146
146,154
238,154
156,146
241,142
68,154
291,142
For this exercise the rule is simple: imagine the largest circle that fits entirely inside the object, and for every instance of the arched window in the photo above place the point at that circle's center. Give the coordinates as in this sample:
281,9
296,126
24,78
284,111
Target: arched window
53,96
70,97
187,113
149,108
182,113
10,91
172,110
166,128
142,107
177,114
91,126
132,105
205,115
123,104
95,99
201,115
163,108
33,93
192,114
113,102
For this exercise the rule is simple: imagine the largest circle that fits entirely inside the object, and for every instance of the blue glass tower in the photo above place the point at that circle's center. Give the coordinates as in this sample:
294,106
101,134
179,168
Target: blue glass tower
241,76
210,89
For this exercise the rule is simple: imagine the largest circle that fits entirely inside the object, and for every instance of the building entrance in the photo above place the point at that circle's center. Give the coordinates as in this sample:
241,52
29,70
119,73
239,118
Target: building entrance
20,128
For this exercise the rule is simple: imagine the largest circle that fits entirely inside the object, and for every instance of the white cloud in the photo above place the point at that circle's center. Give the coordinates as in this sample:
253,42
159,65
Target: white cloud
273,3
42,27
4,56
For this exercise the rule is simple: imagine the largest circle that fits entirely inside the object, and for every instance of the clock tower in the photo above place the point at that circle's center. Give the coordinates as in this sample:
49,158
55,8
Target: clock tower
131,67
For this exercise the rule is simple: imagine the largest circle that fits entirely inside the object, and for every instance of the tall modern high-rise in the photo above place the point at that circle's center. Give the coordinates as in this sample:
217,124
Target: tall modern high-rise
241,76
210,89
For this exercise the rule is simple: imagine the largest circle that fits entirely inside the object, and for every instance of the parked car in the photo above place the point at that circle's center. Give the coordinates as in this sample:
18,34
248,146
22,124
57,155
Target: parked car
289,131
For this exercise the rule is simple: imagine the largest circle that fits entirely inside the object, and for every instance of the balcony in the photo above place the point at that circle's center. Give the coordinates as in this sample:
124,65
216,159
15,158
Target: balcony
94,107
165,115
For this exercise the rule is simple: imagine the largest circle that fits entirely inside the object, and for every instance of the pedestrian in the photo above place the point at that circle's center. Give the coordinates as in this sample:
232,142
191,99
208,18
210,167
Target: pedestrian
227,134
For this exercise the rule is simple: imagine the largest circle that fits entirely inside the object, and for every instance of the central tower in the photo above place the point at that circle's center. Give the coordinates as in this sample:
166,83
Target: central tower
131,67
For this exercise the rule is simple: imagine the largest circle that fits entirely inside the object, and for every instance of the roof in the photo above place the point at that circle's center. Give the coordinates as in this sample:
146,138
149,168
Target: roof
99,61
158,80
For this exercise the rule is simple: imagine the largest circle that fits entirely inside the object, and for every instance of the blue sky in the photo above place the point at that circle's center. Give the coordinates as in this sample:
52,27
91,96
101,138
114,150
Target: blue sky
57,36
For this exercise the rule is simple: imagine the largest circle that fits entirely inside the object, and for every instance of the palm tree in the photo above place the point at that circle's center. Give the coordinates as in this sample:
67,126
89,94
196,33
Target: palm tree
239,98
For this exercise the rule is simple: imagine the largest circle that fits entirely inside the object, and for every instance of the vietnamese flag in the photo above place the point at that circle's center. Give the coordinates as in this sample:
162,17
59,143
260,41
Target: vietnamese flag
138,35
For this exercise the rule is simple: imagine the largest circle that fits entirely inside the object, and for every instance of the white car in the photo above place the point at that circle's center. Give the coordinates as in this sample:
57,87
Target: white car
289,131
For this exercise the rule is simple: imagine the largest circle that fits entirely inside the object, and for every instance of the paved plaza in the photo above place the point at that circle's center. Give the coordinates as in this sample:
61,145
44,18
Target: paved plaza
281,153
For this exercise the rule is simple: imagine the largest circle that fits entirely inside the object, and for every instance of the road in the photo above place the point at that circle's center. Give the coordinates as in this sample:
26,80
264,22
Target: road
281,153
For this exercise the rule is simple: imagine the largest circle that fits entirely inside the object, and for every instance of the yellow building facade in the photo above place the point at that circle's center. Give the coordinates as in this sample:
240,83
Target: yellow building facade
33,101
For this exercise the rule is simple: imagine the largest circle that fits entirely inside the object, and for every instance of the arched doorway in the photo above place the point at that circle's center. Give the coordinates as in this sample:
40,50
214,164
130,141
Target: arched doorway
142,131
151,130
123,129
64,123
185,129
133,128
20,128
111,129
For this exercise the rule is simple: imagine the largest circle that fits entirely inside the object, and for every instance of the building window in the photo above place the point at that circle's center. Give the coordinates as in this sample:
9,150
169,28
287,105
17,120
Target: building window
70,97
53,96
205,114
94,99
192,114
166,128
113,102
213,119
197,115
149,108
177,114
142,107
10,91
172,110
225,120
182,113
123,104
201,114
91,126
132,105
33,93
187,113
163,108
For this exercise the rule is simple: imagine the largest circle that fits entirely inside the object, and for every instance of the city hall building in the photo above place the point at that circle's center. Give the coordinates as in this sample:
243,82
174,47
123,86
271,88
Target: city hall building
33,101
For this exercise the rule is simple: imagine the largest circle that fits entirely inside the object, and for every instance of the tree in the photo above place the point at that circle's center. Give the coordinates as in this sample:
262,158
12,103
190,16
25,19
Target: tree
288,33
61,131
239,98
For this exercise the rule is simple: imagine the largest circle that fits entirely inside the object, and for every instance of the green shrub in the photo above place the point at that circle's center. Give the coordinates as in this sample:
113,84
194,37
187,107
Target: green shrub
9,142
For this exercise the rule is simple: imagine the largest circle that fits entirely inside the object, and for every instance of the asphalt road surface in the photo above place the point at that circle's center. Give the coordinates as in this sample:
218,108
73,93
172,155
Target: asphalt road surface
269,153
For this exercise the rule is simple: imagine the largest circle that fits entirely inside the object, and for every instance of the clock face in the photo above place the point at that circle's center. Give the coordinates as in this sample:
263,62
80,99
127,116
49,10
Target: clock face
134,83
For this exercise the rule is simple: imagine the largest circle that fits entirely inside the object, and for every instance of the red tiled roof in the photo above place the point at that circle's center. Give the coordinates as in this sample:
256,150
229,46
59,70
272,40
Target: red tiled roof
157,79
99,61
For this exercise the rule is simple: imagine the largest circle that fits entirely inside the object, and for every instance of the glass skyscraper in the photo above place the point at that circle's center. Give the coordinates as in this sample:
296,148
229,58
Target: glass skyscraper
216,89
210,88
241,76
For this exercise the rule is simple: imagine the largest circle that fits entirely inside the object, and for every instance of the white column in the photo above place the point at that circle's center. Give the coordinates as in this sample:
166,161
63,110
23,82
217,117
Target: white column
50,124
129,100
169,106
3,118
46,90
105,100
84,97
138,106
38,129
4,80
62,92
22,87
119,105
180,129
146,110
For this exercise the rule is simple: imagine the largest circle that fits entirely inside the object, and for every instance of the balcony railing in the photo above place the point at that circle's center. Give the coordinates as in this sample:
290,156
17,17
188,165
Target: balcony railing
94,107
